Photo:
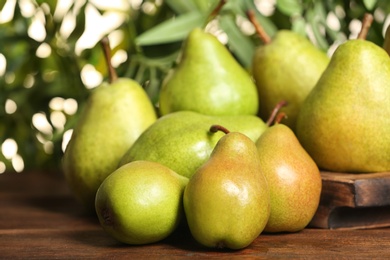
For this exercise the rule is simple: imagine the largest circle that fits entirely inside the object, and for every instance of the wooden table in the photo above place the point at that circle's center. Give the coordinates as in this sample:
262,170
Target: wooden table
40,220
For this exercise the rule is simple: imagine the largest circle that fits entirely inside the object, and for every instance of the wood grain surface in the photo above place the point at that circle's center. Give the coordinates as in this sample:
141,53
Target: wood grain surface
354,201
40,220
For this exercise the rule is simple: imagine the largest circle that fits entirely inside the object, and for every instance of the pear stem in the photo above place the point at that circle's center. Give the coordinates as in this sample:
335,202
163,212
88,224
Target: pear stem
366,24
259,29
107,55
216,10
275,112
216,128
279,117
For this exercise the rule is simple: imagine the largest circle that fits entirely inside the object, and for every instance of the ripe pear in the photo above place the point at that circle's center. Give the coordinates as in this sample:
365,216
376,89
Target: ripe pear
293,178
344,123
141,202
182,140
114,116
286,67
227,200
208,80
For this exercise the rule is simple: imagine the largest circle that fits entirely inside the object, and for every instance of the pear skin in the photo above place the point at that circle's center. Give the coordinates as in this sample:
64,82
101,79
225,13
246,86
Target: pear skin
287,68
344,123
141,202
182,140
115,115
293,178
208,80
226,202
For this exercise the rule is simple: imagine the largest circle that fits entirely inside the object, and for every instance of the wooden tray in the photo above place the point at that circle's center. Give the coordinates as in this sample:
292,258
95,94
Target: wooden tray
353,201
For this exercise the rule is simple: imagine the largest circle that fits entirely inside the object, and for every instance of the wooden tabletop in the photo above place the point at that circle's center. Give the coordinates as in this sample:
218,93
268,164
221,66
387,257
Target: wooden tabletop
40,220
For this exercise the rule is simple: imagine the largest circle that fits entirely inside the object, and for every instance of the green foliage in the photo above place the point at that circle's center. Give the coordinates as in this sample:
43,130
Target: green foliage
151,40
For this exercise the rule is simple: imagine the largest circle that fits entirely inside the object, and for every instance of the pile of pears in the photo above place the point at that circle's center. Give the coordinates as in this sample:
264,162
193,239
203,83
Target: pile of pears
230,153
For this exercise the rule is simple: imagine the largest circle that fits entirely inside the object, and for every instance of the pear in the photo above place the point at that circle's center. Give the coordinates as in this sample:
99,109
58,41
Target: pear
182,140
115,115
227,200
141,202
344,123
286,67
208,80
293,178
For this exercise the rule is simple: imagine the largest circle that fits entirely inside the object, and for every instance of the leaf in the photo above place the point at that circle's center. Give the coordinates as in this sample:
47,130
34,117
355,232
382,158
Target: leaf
235,6
172,30
51,3
268,26
153,86
181,6
299,25
321,41
242,47
2,4
205,5
370,4
289,7
316,18
80,25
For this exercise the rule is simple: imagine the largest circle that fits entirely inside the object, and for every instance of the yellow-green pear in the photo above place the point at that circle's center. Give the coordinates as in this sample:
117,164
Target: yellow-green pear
141,202
293,178
208,80
344,123
182,140
227,200
286,67
115,115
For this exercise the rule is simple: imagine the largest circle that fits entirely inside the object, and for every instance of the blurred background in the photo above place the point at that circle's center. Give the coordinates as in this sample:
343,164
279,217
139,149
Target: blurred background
50,56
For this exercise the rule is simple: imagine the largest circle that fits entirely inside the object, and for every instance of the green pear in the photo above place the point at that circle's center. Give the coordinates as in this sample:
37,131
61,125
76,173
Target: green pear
293,178
344,123
286,67
182,140
114,116
227,200
208,80
141,202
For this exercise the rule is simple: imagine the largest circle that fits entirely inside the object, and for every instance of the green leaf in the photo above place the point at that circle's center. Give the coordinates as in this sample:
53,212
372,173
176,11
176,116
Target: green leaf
370,4
321,41
205,5
235,6
171,30
2,3
316,18
241,46
266,23
51,3
299,25
153,86
80,25
289,7
181,6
